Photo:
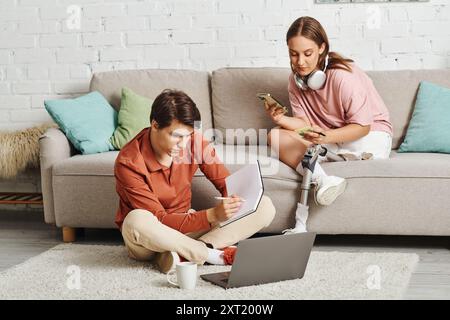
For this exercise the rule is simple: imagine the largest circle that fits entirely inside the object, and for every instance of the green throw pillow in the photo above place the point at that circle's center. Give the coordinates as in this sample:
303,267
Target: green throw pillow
87,121
134,115
429,128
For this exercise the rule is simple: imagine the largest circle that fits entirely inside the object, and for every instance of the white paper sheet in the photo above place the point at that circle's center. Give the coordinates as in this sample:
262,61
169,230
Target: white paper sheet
247,184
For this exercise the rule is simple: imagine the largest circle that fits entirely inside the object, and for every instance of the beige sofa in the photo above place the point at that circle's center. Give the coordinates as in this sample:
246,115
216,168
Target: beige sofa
405,195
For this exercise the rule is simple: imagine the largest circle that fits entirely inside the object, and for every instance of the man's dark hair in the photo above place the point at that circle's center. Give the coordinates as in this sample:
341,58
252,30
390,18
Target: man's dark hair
174,104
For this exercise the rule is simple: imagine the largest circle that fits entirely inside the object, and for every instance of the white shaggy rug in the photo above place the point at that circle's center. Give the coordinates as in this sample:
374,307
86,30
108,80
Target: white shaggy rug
105,272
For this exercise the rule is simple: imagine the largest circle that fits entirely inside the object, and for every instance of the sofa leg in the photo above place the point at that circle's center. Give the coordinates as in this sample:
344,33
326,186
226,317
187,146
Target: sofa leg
69,234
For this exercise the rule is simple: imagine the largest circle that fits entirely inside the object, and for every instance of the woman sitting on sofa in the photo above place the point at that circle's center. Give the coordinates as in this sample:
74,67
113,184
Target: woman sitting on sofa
337,100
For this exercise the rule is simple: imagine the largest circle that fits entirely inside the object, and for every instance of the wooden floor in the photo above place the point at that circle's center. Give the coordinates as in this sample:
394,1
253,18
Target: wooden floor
24,235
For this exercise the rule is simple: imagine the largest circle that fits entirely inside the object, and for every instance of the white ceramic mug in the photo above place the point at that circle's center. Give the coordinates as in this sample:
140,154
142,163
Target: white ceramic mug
186,275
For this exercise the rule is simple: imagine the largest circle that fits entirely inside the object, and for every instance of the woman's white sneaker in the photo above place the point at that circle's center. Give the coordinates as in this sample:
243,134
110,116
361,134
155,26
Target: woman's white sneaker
329,188
295,230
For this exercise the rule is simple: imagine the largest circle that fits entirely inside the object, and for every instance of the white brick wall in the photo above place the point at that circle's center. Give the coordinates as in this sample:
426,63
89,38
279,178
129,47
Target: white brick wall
42,57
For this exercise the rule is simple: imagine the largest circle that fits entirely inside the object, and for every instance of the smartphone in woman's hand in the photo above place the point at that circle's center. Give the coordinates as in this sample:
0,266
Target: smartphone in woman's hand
272,102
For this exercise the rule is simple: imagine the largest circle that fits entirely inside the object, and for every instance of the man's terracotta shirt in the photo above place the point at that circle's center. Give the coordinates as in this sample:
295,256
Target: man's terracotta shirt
143,183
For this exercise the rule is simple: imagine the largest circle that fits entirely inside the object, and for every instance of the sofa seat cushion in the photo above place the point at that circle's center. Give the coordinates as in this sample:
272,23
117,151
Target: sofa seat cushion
235,157
400,165
99,164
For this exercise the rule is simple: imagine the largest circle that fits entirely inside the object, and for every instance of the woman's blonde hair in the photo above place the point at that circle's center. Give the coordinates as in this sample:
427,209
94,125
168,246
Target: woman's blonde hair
310,28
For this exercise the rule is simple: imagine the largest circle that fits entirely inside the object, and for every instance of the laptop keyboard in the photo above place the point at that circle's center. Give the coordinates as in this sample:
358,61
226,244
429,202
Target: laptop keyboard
224,276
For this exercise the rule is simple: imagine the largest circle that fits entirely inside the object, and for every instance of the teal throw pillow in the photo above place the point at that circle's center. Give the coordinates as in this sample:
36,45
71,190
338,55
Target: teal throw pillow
429,128
87,121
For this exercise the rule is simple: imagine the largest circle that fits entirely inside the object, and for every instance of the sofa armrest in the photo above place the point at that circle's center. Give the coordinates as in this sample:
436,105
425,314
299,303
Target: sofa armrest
54,147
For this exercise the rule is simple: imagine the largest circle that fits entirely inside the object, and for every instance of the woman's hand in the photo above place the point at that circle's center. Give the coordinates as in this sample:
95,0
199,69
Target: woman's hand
275,114
317,135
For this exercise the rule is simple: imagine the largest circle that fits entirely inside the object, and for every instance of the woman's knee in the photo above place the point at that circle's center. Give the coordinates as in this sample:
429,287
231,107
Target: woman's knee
283,138
273,136
278,134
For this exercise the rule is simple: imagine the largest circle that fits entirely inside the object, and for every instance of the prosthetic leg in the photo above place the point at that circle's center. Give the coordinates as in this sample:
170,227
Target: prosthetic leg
308,164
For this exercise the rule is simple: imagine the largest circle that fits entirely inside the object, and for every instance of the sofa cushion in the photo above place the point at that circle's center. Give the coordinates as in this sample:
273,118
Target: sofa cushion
134,115
87,121
236,106
400,165
151,82
100,164
399,89
429,128
234,93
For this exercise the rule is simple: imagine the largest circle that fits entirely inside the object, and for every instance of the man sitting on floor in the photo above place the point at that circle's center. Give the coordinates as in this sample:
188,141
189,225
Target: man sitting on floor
154,174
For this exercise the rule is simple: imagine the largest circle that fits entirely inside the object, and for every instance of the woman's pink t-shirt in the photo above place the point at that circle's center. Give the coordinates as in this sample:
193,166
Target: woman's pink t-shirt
345,98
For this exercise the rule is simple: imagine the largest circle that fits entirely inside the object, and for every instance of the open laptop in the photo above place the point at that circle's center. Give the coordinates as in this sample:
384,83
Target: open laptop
266,259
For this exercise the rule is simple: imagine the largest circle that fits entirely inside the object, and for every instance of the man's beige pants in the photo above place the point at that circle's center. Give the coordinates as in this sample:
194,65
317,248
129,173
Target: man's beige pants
144,235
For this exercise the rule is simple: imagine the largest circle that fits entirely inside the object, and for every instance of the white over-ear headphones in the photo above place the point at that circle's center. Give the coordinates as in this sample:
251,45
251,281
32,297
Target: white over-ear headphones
315,80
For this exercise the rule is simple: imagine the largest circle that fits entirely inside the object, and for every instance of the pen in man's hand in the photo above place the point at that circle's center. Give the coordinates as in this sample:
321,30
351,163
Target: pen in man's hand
225,198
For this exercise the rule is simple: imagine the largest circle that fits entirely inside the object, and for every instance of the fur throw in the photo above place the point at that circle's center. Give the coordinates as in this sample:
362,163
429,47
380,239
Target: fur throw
19,150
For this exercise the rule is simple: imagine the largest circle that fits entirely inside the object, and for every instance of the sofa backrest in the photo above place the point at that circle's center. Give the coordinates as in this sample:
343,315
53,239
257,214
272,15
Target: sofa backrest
149,83
236,106
399,90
